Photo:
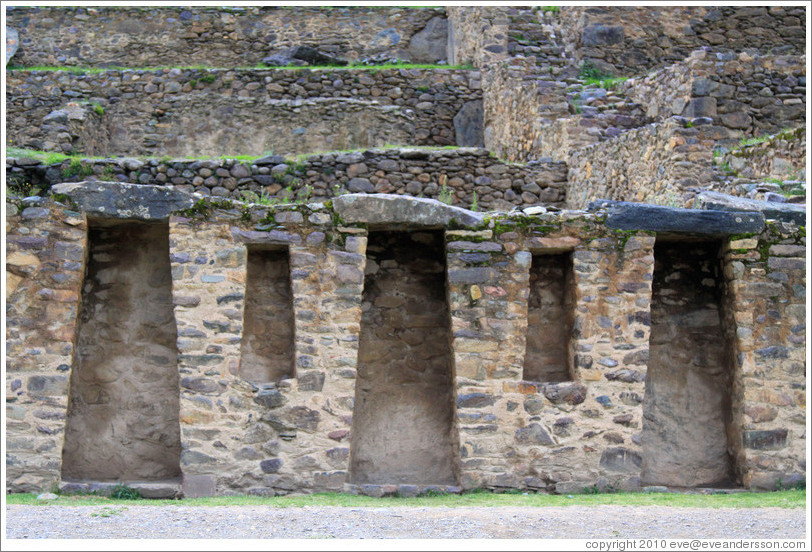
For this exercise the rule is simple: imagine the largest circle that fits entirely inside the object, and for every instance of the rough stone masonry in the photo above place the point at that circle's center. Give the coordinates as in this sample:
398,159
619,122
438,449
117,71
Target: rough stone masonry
209,326
386,293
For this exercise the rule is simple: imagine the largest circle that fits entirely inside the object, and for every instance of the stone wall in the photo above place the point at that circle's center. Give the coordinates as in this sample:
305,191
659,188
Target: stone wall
517,104
416,172
766,281
629,41
238,436
781,156
532,115
218,37
476,35
45,265
657,163
234,112
745,94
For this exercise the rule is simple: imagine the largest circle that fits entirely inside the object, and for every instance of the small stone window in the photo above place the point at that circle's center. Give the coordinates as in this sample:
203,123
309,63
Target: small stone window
549,318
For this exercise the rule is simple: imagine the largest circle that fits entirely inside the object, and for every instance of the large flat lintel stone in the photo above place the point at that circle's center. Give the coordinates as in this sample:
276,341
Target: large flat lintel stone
125,201
784,212
622,215
396,210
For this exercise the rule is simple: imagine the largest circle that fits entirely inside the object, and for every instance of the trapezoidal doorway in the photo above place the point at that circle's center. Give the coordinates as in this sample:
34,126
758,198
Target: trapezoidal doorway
686,409
122,422
403,420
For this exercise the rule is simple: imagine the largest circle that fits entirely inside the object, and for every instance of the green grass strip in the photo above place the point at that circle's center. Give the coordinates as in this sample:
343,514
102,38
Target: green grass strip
777,499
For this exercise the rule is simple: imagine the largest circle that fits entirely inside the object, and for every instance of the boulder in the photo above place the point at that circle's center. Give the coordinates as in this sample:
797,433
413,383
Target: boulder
384,39
302,55
469,125
12,43
430,44
602,35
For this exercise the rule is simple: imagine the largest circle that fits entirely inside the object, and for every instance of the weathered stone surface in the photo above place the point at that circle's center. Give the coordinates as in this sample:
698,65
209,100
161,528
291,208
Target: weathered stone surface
271,466
773,439
429,44
567,392
12,43
125,201
270,398
786,212
163,489
626,376
469,125
306,55
533,434
474,400
619,459
601,35
632,216
392,210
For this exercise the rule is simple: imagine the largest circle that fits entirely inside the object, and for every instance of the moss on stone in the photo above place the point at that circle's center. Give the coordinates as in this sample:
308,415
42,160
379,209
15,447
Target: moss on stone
200,210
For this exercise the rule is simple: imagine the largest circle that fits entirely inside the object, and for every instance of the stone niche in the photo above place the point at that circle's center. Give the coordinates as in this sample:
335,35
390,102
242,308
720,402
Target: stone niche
403,419
267,353
122,422
687,404
549,319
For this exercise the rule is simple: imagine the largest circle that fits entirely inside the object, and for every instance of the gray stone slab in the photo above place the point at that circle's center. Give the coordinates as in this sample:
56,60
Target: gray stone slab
199,485
622,215
125,201
395,210
785,212
12,43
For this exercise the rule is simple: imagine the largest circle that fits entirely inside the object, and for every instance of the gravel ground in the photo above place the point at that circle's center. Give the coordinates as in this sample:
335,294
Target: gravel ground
264,522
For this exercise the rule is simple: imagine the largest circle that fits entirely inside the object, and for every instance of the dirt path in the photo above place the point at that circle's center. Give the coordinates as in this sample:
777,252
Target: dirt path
264,522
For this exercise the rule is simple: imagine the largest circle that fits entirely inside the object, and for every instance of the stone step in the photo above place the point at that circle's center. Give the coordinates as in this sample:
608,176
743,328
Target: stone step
170,488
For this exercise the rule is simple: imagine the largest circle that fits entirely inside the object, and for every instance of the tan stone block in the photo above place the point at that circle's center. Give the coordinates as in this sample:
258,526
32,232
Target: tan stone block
469,366
511,247
18,258
12,282
760,413
523,387
462,345
194,417
484,234
591,375
747,243
566,243
236,276
476,293
768,396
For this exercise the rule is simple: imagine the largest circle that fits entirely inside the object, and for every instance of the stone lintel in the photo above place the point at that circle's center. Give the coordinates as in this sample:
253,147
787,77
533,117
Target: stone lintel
125,201
784,212
623,215
399,211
